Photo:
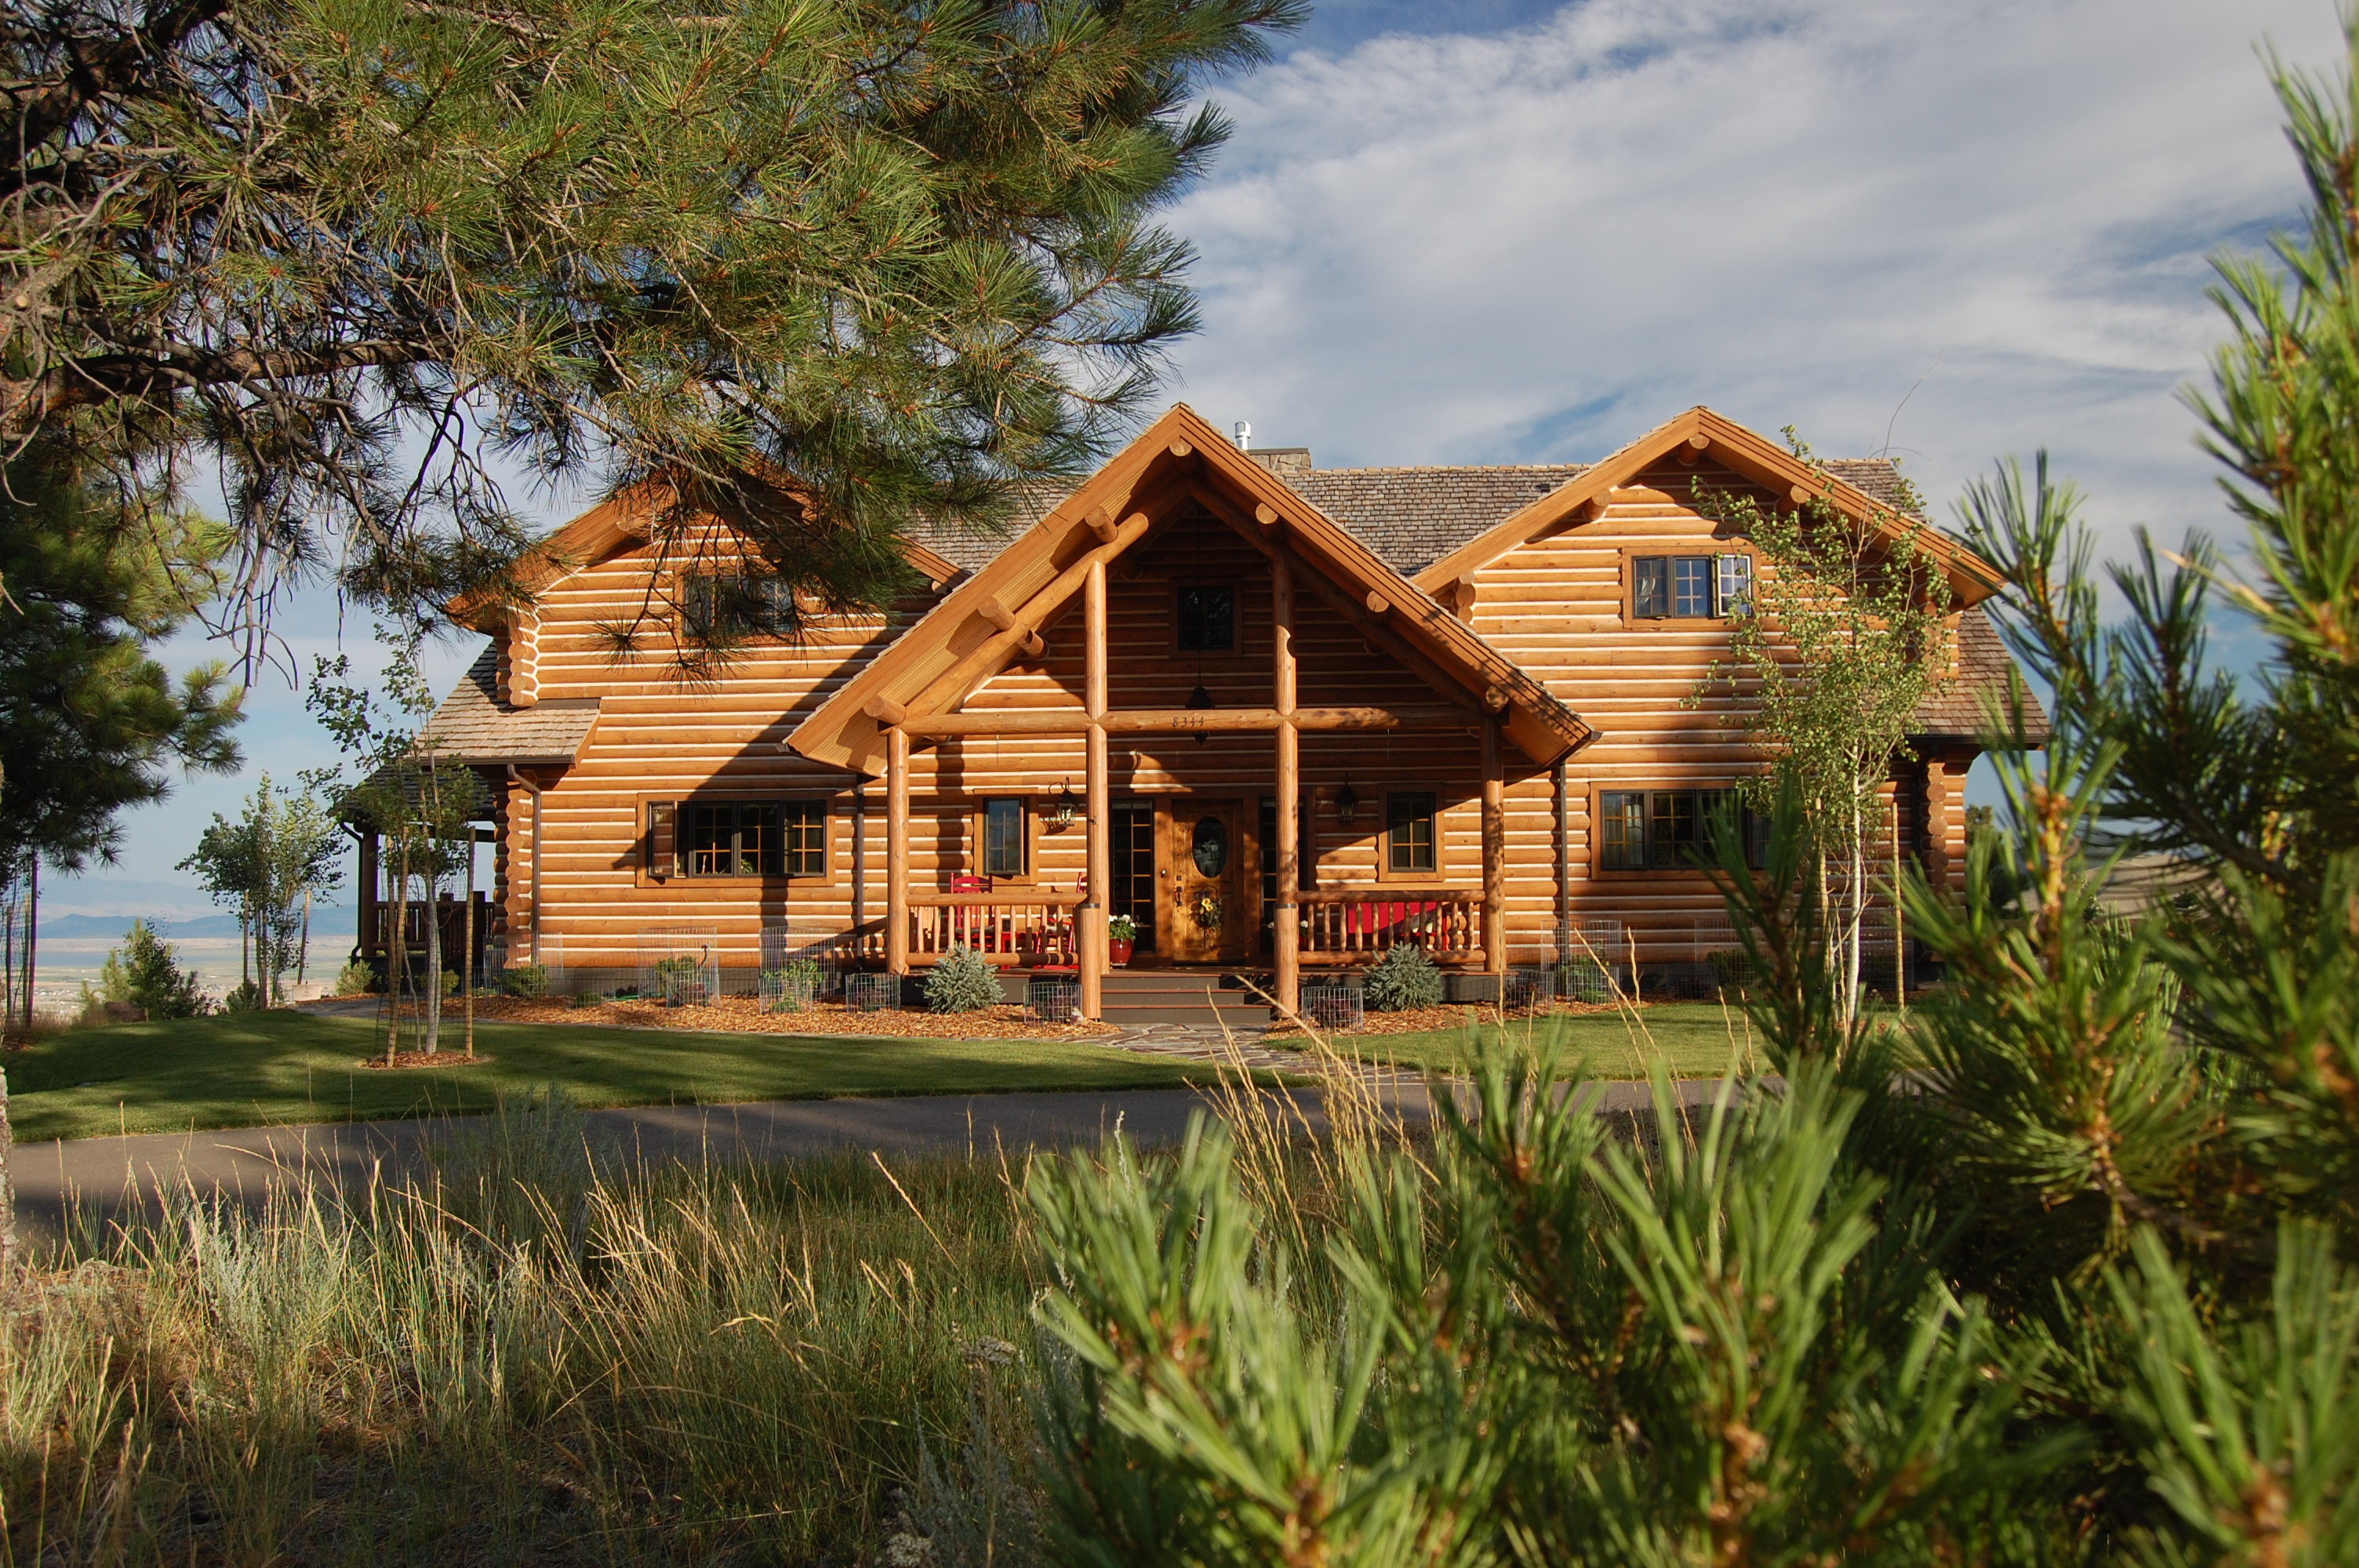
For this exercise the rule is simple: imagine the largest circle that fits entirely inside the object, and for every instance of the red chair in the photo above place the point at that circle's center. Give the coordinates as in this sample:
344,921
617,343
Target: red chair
973,929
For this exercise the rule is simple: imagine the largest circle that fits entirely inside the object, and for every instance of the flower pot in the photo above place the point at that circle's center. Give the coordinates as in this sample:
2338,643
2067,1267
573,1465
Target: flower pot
1117,951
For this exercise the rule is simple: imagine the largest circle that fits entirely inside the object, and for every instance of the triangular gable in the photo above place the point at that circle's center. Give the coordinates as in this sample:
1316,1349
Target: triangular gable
609,529
1971,579
998,613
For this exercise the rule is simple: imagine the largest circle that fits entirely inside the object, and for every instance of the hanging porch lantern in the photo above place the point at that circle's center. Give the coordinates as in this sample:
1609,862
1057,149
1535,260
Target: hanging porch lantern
1347,804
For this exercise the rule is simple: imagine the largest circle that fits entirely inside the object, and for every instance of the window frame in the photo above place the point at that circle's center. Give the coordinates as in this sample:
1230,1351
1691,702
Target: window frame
1717,574
1027,837
1656,858
1386,872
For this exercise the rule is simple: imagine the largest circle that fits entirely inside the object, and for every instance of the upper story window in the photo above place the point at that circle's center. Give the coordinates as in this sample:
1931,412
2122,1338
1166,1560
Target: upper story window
728,607
1207,622
1690,588
1660,829
1409,838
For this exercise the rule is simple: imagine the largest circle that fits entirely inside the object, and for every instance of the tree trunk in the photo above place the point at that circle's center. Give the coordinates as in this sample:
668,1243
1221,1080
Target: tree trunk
303,950
8,1188
32,929
467,944
433,998
397,954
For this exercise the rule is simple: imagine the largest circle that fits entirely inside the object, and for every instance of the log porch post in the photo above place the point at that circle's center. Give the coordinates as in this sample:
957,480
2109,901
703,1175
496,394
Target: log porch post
896,850
1494,854
1285,932
1092,914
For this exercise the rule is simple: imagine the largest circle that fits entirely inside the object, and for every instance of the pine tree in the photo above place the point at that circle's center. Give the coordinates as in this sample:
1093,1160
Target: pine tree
2081,1286
817,268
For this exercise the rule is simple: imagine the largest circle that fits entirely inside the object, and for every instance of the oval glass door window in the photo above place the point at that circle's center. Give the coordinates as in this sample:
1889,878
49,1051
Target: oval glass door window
1210,847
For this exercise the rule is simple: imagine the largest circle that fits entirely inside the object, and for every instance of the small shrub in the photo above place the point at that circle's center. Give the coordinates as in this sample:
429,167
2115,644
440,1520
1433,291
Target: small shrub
247,997
1733,969
962,982
1583,978
1403,981
679,981
355,978
527,982
792,985
150,979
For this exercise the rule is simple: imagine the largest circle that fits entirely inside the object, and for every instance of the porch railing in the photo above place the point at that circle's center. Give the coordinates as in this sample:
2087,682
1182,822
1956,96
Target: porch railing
1014,926
1347,925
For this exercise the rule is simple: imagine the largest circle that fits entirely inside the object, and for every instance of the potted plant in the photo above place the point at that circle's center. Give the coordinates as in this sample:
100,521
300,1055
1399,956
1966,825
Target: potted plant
1121,932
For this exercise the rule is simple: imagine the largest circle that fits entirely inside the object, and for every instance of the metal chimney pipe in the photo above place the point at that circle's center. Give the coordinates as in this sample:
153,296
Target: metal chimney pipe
1244,437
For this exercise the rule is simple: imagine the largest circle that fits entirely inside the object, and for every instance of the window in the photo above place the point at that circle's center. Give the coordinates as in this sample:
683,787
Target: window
1658,831
1207,619
804,823
1690,588
727,608
1003,838
1409,834
1735,585
739,838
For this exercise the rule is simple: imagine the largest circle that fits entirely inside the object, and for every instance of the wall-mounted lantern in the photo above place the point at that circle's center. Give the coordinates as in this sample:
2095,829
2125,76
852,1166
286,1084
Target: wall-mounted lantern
1347,804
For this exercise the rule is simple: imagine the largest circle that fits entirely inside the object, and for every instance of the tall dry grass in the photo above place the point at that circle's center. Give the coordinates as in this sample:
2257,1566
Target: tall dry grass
535,1353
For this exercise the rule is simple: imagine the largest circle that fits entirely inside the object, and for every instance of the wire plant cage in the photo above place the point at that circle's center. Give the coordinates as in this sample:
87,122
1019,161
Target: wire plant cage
1521,990
1589,964
796,970
869,991
679,966
1332,1004
1052,998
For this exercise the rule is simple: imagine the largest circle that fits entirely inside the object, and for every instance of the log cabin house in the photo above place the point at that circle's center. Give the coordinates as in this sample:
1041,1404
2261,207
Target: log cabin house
1280,717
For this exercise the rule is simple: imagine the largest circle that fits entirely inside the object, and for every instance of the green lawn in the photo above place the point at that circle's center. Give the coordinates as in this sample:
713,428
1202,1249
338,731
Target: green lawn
1698,1040
259,1068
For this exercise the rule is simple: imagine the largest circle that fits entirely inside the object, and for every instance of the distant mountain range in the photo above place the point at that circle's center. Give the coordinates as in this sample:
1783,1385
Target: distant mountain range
327,920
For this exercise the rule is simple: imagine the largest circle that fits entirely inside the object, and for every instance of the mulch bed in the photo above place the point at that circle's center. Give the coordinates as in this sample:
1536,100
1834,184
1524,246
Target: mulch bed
445,1057
745,1015
1428,1019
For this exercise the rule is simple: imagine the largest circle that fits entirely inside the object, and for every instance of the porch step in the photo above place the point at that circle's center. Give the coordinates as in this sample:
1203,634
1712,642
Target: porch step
1201,999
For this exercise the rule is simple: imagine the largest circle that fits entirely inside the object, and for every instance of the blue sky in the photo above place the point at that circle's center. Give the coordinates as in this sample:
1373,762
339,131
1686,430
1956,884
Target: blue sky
1495,232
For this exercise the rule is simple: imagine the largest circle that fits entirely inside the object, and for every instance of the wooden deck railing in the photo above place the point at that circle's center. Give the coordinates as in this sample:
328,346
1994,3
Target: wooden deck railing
1014,926
1349,925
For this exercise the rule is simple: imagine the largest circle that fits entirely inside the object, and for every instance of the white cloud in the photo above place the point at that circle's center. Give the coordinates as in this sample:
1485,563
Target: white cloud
1536,244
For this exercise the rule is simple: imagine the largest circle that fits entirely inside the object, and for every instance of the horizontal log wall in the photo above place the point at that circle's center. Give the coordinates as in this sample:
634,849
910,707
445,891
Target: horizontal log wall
1555,605
1559,607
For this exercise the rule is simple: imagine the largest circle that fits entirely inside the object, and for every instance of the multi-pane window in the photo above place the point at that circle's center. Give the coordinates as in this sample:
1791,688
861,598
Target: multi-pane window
1003,838
1690,587
804,826
1408,832
1207,619
728,607
732,840
1735,586
1663,829
750,838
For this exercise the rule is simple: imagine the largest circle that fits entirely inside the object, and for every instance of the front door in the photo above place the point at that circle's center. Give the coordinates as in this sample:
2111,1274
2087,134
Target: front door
1212,919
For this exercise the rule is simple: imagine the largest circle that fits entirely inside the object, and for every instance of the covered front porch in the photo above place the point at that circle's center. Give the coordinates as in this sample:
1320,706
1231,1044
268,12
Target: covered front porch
1183,563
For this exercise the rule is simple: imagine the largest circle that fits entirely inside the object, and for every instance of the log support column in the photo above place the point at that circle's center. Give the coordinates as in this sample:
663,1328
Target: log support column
896,850
1495,853
1286,923
1092,914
